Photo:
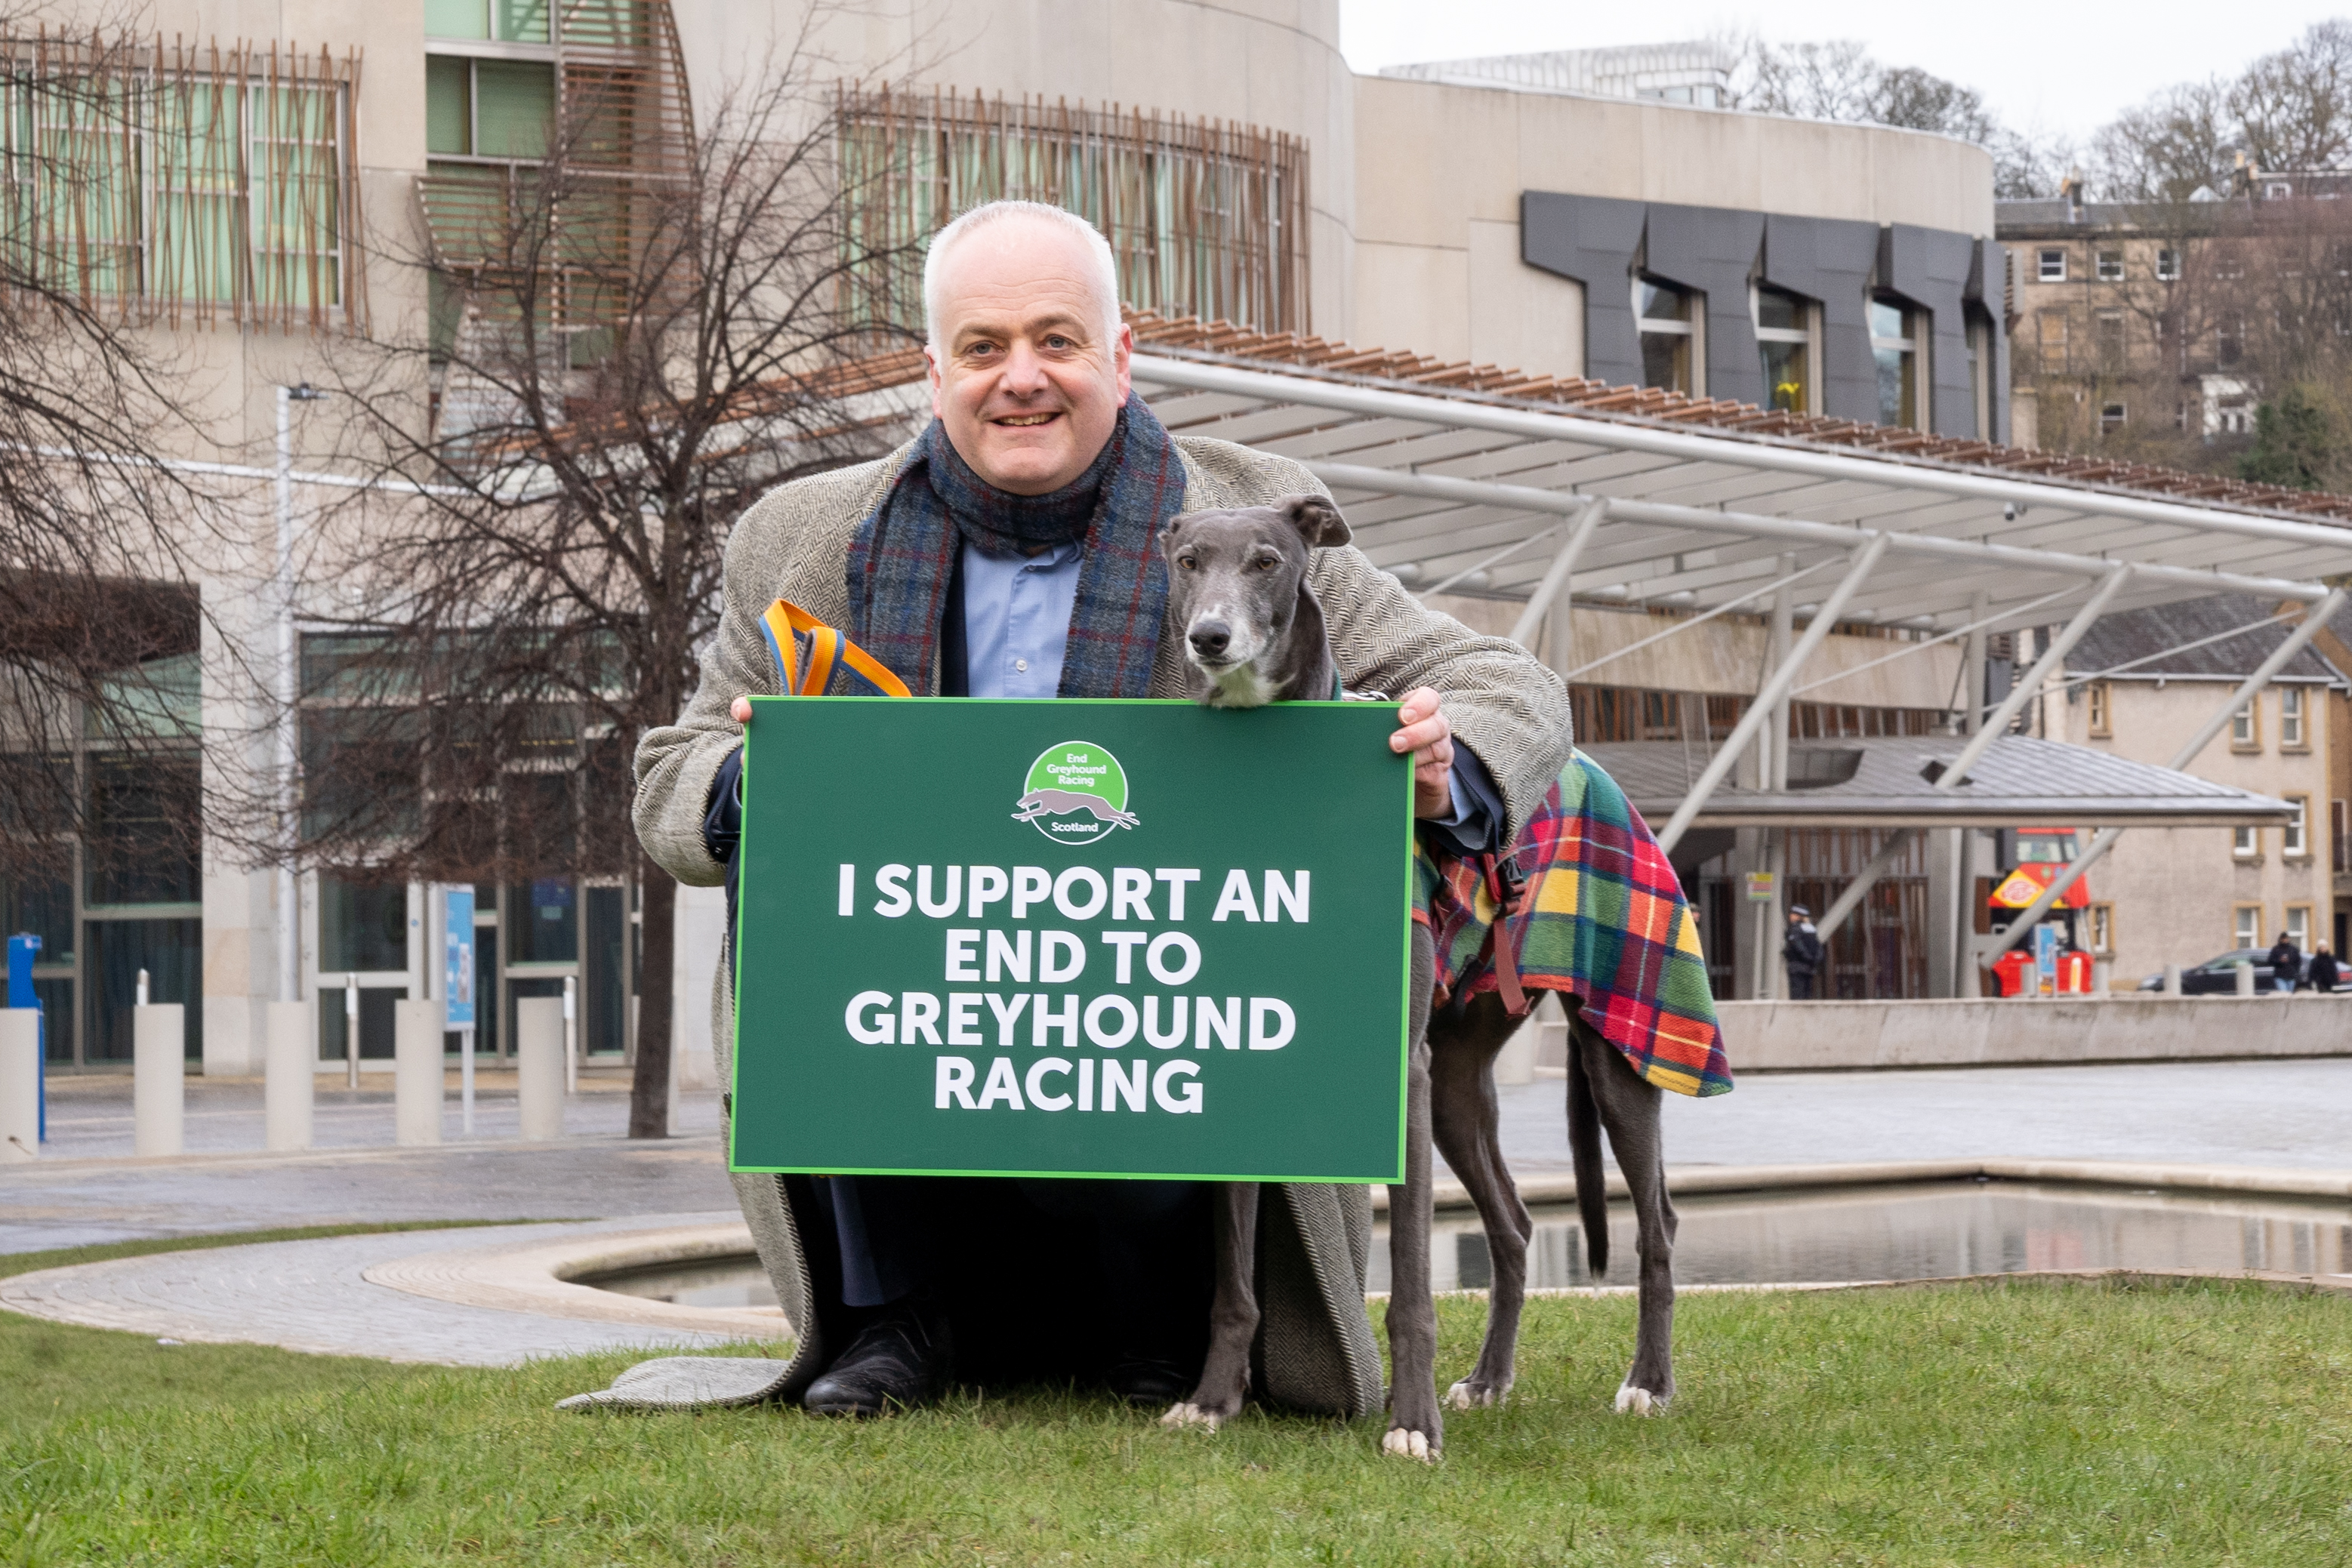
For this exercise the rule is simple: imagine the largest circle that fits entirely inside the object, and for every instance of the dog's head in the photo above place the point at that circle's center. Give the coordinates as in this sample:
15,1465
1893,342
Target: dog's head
1235,579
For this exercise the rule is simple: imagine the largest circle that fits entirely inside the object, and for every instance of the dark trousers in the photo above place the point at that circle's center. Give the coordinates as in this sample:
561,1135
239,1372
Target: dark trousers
1801,985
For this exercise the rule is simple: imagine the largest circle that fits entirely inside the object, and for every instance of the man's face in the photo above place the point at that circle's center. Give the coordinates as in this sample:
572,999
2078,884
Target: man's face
1021,376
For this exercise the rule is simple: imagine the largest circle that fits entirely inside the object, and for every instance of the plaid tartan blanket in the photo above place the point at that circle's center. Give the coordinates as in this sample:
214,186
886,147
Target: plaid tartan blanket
1602,920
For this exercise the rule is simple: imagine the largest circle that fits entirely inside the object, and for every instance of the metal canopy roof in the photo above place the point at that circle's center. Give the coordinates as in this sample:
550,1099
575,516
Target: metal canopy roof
1435,481
2017,782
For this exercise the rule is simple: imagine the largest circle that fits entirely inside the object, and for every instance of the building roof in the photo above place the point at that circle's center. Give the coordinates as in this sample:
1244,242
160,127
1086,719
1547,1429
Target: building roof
2020,781
1446,469
2157,641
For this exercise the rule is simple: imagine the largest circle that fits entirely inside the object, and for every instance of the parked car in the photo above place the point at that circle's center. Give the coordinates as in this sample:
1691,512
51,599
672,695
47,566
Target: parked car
2219,977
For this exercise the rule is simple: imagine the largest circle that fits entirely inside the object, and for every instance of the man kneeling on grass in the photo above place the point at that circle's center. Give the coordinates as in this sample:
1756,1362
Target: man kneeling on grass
1009,551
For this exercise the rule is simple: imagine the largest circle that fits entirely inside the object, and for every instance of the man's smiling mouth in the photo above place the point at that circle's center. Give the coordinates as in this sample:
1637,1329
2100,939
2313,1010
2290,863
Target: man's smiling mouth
1024,421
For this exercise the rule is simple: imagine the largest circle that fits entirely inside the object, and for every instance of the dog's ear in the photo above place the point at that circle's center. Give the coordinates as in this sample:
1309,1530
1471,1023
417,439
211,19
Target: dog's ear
1318,522
1167,539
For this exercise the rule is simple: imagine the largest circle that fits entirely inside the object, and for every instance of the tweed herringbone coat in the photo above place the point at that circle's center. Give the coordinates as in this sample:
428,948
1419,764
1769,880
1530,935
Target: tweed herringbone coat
1316,1351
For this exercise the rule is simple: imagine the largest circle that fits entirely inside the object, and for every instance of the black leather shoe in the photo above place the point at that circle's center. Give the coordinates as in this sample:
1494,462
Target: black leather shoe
1149,1380
896,1362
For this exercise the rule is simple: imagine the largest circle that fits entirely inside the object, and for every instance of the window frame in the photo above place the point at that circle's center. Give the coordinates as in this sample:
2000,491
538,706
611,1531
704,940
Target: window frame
2294,729
2107,265
2112,417
1691,329
2338,810
2309,924
1911,351
2099,710
2248,719
1808,337
2102,929
2246,845
2168,264
2295,838
2238,913
2049,264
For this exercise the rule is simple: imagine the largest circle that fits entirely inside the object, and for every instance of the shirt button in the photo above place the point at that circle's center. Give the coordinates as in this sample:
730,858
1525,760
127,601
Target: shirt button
1022,665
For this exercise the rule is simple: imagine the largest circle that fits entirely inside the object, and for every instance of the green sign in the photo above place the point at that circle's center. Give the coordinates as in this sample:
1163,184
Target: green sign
1073,939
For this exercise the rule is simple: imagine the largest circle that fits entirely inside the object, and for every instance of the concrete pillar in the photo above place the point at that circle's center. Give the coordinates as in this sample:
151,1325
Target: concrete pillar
539,1066
1516,1062
416,1069
159,1072
293,1058
20,1084
2245,979
2172,980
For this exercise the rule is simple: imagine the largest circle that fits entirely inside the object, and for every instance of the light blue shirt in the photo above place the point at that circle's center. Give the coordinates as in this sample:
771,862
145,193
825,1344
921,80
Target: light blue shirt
1016,628
1016,619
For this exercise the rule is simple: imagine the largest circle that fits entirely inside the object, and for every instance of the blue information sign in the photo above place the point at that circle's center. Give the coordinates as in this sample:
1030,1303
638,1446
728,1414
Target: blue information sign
457,959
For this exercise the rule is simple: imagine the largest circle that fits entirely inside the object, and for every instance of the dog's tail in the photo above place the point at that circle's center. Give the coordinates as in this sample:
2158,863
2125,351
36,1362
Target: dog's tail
1584,1154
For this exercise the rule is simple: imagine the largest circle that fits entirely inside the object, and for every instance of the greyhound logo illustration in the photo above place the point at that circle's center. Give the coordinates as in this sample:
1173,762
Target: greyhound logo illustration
1076,794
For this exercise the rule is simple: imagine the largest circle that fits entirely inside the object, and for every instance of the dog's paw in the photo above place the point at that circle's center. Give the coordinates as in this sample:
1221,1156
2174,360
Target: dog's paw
1468,1395
1408,1445
1184,1414
1639,1401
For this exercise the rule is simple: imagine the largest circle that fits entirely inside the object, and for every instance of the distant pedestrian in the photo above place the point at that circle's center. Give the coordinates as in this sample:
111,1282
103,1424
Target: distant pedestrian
2287,964
1801,950
2323,973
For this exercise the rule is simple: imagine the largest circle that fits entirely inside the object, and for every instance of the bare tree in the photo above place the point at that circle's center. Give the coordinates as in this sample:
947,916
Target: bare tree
627,363
98,622
2179,146
2294,106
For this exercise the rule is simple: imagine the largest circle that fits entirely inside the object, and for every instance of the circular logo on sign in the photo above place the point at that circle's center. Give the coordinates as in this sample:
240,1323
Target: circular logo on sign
1076,794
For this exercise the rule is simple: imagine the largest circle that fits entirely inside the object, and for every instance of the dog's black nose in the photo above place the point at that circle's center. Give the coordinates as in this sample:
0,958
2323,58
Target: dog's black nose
1209,638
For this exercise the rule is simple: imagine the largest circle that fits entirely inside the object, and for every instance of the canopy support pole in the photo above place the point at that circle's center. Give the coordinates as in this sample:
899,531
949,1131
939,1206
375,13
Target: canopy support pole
2313,619
1587,518
1758,712
1995,726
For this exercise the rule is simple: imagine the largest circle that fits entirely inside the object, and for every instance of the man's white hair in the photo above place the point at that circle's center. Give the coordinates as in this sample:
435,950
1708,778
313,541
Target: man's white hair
1106,270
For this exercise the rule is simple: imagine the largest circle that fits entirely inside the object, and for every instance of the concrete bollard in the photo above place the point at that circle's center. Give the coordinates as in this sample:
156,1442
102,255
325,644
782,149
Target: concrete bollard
539,1066
1516,1062
20,1084
159,1079
2245,978
290,1058
2172,980
416,1074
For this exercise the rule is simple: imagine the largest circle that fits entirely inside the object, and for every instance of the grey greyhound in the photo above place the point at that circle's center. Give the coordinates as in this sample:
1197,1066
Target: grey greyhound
1255,634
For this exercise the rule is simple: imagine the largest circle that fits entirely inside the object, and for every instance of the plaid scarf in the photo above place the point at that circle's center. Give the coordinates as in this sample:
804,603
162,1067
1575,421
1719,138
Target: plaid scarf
1602,922
903,555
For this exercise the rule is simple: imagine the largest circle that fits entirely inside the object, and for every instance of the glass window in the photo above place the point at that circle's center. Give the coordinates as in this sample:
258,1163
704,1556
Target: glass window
543,921
448,105
378,1021
2292,842
2053,265
1784,344
142,841
2290,717
2244,734
2246,925
362,926
1979,354
2099,694
37,906
2103,930
171,951
2167,265
2246,844
2111,418
456,18
2298,925
2109,327
2111,265
514,105
605,1001
1894,344
525,21
1667,320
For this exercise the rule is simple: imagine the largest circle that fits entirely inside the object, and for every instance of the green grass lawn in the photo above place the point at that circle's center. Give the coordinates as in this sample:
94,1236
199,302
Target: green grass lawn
2026,1423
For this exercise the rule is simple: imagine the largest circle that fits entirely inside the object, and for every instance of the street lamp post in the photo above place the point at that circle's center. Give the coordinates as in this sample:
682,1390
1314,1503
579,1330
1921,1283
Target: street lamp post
289,940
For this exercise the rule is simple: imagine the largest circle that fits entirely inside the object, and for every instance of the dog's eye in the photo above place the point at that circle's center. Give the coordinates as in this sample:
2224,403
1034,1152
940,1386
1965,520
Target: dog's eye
1267,562
1187,562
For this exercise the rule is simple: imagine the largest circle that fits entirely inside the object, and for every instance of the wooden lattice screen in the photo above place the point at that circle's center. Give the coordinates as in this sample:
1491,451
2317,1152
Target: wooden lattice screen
185,185
623,138
1206,217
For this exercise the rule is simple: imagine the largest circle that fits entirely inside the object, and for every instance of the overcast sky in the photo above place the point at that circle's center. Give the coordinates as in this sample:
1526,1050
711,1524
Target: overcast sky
2066,67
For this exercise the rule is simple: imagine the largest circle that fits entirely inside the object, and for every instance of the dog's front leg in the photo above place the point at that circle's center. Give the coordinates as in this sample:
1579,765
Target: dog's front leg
1415,1428
1233,1316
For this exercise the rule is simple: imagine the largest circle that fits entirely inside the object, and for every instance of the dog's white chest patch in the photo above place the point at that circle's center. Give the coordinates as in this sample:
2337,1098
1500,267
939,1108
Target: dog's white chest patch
1239,685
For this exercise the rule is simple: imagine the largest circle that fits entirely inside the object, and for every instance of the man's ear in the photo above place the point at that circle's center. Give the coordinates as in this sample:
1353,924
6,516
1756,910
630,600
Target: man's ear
1318,522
